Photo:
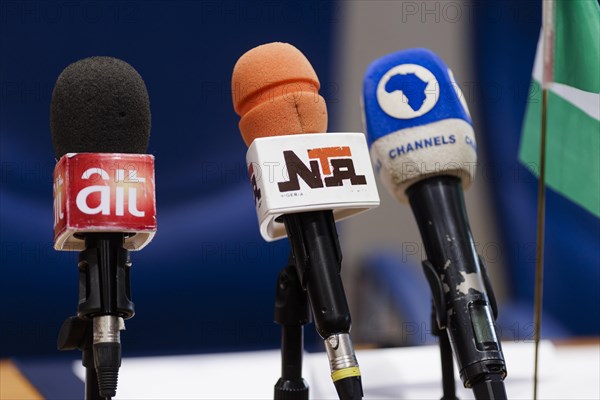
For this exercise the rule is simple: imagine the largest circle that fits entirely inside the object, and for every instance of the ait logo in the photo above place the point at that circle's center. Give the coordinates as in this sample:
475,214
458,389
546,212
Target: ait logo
407,91
255,188
121,191
328,167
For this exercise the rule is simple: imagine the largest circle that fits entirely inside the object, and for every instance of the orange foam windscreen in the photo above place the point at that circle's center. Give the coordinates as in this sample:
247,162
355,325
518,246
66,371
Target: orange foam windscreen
276,92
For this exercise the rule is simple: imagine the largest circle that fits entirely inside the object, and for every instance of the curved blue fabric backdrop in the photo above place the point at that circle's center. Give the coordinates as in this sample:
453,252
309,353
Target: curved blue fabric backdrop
207,281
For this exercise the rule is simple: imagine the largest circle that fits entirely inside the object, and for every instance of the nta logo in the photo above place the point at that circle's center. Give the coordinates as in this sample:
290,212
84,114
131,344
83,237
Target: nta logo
335,164
255,188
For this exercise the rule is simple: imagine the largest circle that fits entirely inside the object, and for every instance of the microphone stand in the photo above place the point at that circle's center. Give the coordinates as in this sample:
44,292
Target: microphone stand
104,302
448,385
292,313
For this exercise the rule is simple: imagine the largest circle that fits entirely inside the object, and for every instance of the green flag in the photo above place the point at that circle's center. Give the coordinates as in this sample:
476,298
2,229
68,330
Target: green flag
573,109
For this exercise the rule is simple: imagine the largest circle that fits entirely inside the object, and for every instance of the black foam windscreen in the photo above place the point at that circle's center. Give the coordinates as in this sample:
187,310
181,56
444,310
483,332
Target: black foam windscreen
100,105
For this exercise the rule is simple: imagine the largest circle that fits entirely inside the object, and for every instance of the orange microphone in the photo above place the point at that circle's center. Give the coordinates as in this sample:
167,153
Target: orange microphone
303,180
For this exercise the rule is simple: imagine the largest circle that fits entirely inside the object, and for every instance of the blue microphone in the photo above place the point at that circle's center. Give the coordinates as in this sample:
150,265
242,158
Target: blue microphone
423,147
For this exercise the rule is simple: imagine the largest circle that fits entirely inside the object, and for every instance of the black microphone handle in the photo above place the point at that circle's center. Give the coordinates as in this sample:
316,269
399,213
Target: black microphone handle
460,286
317,255
104,297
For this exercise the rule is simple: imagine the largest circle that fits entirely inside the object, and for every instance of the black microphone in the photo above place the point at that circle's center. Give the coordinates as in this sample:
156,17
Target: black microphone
423,147
104,201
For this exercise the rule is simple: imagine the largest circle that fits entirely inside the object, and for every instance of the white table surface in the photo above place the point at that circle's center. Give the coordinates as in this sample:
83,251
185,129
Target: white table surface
566,372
